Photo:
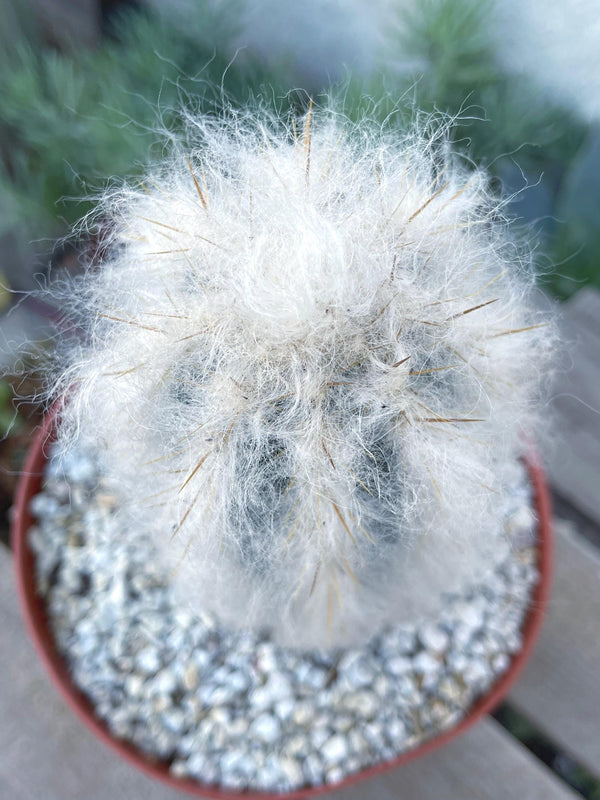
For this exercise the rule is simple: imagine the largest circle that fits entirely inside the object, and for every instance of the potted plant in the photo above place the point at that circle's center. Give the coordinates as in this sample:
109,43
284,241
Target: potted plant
285,536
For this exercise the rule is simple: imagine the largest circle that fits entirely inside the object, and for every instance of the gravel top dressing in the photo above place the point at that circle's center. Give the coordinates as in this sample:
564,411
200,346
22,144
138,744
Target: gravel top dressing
231,708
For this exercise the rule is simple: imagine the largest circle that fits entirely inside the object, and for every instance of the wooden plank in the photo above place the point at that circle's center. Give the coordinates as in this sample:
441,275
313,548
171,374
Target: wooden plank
12,788
572,452
46,753
560,689
486,763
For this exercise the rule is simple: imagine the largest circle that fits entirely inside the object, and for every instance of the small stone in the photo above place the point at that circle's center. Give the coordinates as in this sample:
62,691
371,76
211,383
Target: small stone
311,677
354,670
438,711
238,727
319,736
134,685
297,745
373,733
396,732
462,635
469,615
78,468
163,683
266,728
201,658
397,641
269,775
408,691
334,775
343,723
161,703
335,750
522,522
456,662
148,660
284,709
353,765
266,657
478,647
221,715
382,686
238,681
313,770
514,643
427,667
400,665
451,719
477,675
450,690
357,742
193,707
179,768
277,687
221,695
303,714
364,703
236,769
433,638
174,719
199,766
191,676
292,772
500,663
42,506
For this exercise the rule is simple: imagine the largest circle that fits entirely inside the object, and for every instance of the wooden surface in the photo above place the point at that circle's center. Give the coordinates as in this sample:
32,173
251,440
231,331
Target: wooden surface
46,754
572,453
560,689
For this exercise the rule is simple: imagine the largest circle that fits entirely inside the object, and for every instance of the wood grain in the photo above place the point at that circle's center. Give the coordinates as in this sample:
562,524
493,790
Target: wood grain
572,451
559,691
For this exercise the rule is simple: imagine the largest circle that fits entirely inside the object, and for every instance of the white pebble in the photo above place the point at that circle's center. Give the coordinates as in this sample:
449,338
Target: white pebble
434,638
266,728
399,666
335,749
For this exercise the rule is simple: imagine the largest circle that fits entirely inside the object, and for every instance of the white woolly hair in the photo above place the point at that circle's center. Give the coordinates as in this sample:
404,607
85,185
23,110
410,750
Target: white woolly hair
309,355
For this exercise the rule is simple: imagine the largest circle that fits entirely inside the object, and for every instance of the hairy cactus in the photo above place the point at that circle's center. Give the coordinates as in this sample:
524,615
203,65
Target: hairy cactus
309,356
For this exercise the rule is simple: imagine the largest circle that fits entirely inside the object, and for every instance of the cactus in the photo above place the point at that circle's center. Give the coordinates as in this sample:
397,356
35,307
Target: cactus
310,353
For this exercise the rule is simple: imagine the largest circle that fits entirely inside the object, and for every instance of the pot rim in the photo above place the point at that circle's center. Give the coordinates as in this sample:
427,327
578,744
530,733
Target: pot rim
33,608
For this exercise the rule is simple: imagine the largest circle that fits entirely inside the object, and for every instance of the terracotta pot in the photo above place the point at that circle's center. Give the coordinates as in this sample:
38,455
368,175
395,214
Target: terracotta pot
35,617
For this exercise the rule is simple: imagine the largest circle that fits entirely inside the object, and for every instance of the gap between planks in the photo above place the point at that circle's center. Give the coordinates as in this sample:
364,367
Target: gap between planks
559,691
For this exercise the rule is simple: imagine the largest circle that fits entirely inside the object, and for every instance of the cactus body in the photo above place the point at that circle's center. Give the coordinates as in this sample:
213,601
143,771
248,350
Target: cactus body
310,353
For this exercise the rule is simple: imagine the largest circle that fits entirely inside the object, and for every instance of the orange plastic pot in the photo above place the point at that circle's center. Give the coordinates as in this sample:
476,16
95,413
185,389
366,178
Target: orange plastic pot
37,624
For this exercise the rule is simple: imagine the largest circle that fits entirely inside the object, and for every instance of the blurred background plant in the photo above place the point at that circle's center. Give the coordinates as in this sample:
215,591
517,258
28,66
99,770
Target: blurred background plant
74,116
445,55
70,119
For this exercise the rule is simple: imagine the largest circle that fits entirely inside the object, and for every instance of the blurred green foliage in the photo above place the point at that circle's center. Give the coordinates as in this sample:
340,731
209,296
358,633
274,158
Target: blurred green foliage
69,121
10,422
533,148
